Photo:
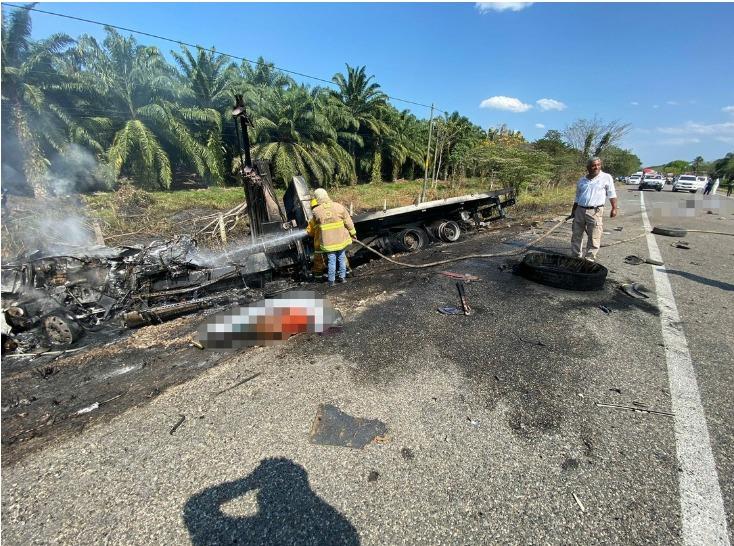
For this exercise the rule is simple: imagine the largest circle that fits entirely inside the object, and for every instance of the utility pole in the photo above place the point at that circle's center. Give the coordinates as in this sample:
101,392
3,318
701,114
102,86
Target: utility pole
428,154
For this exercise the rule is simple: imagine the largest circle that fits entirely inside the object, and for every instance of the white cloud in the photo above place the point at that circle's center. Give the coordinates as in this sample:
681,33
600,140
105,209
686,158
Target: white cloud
729,109
540,126
672,103
486,7
690,128
505,103
634,103
726,140
656,106
679,141
550,104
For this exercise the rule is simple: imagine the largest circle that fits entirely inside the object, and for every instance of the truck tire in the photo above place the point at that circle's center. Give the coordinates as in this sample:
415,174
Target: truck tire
61,330
410,240
450,232
669,231
565,272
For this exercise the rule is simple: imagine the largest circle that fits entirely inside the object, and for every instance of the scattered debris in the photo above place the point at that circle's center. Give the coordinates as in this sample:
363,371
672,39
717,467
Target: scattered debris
605,309
695,263
335,428
641,408
88,409
407,454
619,228
466,277
373,476
681,244
472,422
178,424
634,290
196,344
581,506
462,297
450,311
245,380
636,260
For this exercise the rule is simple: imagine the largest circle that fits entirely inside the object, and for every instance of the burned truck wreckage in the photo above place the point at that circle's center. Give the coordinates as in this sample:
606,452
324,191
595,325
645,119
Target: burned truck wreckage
53,298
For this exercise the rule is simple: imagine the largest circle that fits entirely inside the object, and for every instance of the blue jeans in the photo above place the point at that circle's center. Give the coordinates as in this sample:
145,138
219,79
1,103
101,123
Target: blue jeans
331,259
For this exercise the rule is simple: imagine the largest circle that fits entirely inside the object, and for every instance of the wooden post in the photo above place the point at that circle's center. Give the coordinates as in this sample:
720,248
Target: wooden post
428,155
222,231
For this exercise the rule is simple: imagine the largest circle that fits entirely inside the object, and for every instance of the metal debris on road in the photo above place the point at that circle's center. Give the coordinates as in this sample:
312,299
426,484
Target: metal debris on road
88,409
245,380
681,244
634,291
178,424
620,228
636,260
634,408
466,277
333,427
450,311
578,502
196,344
462,297
605,309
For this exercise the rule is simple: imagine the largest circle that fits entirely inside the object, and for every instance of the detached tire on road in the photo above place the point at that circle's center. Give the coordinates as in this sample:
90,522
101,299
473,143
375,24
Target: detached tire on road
564,272
669,231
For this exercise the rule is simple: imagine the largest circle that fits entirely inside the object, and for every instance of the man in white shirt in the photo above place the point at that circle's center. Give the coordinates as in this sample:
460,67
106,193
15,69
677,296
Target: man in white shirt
592,191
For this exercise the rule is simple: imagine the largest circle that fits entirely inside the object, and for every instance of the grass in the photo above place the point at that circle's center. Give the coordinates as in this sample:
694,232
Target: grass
130,215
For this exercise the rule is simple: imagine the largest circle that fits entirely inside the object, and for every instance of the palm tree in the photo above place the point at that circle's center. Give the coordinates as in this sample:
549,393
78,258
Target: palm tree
32,121
297,138
365,103
208,82
696,163
140,125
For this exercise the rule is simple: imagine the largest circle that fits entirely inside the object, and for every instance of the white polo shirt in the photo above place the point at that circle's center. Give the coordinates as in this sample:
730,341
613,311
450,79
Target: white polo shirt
594,192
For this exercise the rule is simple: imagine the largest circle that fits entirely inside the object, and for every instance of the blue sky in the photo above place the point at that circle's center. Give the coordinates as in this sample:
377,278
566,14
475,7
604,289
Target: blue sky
665,68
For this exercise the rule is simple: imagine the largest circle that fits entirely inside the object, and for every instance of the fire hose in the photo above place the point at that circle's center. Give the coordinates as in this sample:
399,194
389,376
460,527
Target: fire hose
515,252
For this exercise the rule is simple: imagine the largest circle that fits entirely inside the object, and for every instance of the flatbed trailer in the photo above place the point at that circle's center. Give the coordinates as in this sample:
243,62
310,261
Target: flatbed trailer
412,227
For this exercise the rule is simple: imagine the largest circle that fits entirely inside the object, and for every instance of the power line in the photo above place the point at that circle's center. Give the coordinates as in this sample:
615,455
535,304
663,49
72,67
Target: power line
211,50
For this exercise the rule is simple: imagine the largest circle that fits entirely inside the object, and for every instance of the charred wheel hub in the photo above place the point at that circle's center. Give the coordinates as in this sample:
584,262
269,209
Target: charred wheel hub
61,330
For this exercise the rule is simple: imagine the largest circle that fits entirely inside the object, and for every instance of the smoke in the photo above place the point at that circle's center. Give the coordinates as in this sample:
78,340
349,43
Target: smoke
75,170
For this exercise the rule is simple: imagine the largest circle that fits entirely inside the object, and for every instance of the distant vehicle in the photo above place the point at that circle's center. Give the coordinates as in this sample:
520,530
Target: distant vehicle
669,178
634,179
689,182
702,180
654,182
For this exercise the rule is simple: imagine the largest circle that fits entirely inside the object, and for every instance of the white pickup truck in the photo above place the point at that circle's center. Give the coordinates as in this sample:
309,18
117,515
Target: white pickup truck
689,182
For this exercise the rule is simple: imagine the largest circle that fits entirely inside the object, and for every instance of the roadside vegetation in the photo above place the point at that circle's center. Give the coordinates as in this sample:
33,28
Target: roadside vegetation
149,146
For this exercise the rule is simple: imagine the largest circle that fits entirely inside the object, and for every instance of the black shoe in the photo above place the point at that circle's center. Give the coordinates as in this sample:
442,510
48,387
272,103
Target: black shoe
331,284
341,281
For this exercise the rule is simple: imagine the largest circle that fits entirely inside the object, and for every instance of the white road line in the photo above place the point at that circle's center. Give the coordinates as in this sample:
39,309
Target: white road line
702,507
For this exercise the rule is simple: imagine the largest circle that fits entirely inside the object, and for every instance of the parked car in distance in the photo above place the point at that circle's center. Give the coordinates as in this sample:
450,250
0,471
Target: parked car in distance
688,182
634,179
653,182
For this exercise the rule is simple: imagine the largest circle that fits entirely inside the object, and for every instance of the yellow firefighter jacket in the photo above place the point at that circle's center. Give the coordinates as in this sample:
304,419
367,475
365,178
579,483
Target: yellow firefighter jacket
331,227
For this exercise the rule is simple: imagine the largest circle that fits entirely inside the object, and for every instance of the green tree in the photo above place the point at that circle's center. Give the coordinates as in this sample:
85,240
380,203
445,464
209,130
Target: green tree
143,125
724,167
298,139
679,166
696,164
208,81
619,162
366,104
33,122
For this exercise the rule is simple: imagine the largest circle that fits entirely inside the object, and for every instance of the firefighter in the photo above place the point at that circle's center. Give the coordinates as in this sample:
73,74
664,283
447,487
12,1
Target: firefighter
332,229
319,264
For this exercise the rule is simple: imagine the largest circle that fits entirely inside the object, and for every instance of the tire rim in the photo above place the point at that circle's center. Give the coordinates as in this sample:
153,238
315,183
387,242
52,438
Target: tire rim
58,331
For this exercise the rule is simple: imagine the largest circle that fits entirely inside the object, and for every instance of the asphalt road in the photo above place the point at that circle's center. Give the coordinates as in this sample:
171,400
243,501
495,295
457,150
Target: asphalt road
494,432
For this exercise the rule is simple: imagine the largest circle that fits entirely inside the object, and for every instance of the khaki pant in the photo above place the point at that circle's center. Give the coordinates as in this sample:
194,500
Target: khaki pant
591,222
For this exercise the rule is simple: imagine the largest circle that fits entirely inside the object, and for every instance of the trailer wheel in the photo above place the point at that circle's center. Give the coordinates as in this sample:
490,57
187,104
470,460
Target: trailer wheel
411,239
565,272
61,330
450,232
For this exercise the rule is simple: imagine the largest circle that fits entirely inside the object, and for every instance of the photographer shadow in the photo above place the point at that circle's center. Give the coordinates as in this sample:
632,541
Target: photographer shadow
289,512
